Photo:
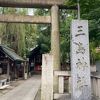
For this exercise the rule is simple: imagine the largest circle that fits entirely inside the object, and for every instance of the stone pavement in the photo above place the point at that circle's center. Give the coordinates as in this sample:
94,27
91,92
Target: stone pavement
38,97
13,84
25,91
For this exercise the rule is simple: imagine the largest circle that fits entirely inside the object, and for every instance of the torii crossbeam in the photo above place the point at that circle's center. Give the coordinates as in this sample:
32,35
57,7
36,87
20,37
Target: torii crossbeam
30,3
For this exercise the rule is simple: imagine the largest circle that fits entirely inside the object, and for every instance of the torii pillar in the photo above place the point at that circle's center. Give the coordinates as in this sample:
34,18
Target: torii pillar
55,43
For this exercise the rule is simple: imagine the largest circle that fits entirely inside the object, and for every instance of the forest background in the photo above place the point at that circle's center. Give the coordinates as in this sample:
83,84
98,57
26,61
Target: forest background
23,37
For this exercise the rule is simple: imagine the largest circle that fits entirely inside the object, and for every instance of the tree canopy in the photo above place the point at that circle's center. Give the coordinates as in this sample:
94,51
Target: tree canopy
22,37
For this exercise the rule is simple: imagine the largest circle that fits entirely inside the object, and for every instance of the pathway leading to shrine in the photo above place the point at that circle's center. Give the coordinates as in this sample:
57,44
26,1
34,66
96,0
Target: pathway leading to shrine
26,91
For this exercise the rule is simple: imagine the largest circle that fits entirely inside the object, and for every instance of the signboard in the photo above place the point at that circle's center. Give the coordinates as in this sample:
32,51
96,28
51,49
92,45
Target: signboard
80,62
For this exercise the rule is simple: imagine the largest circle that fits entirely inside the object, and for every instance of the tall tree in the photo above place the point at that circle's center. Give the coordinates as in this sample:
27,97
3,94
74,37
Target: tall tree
90,10
43,32
14,34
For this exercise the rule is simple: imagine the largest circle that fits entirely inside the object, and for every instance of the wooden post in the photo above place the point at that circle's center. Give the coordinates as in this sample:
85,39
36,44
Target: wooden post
47,77
27,69
80,62
15,71
0,39
24,71
8,71
55,48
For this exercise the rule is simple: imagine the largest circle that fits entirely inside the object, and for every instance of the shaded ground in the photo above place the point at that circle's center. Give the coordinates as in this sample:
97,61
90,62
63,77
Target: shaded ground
25,91
38,96
12,85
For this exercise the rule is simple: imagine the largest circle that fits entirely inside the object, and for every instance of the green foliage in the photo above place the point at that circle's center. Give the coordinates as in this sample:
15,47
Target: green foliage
65,38
94,23
31,37
13,34
43,39
43,32
22,37
90,10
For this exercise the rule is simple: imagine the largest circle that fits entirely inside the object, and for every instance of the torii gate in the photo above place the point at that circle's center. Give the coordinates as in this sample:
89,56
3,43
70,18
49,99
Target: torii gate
54,5
53,20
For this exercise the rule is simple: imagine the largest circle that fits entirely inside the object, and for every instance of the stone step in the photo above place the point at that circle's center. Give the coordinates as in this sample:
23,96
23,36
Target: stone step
59,96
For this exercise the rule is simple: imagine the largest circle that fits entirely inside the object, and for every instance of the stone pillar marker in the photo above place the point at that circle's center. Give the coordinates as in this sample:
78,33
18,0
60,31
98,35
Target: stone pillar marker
55,45
47,77
80,62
